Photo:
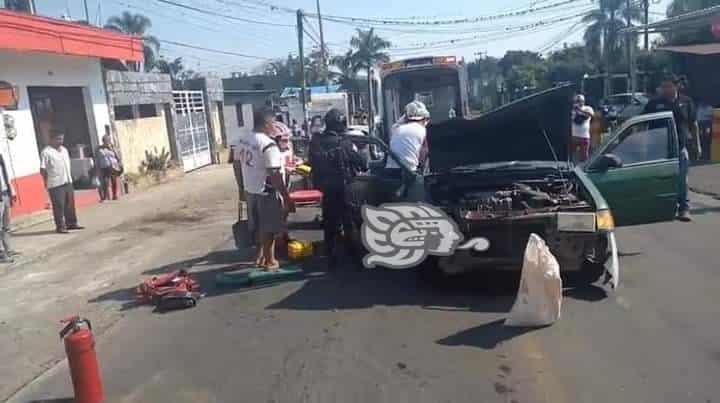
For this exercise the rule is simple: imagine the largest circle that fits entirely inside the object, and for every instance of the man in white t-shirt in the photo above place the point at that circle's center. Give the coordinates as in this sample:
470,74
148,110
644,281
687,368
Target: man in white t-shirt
267,197
55,170
581,117
407,139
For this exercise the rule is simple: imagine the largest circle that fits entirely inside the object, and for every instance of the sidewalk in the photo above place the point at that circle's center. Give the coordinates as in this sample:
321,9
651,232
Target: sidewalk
34,234
705,179
93,272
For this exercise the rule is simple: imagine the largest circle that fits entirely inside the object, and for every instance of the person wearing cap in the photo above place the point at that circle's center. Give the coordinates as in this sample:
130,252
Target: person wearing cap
335,162
581,117
408,139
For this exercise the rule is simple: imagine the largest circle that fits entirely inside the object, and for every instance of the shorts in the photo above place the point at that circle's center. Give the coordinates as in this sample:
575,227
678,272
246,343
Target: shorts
265,215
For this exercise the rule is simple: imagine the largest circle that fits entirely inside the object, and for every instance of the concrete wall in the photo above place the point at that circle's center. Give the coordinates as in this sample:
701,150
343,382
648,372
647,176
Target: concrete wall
138,135
216,123
132,88
36,69
235,130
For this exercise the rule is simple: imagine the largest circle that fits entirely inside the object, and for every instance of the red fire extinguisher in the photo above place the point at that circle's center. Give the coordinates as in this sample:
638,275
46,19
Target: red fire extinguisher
84,369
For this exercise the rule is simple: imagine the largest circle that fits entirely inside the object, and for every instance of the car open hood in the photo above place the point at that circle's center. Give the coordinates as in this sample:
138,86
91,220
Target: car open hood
513,132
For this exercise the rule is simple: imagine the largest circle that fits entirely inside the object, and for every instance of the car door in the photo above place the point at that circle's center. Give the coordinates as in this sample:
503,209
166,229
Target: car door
375,186
636,170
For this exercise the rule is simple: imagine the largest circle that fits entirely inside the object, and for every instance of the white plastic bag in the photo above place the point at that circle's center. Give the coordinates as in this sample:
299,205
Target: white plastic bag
540,295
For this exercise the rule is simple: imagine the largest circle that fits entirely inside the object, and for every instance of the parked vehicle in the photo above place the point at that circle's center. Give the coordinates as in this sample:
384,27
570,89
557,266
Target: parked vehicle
507,174
621,107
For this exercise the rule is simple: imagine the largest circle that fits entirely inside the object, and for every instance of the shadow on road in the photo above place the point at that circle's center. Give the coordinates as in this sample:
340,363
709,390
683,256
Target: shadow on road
63,400
217,262
34,233
704,210
348,288
486,336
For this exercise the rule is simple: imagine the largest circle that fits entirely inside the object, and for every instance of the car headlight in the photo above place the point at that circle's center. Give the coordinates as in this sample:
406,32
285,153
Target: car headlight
576,222
605,221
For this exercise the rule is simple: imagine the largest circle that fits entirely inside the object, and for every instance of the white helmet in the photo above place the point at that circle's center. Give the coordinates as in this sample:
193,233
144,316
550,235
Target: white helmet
416,110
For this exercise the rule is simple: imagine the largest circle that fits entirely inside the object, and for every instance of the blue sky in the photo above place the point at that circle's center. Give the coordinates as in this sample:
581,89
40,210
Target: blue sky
186,26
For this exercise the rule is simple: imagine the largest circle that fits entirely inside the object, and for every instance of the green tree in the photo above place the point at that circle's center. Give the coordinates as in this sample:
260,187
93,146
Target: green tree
602,35
345,71
369,50
569,65
174,68
137,24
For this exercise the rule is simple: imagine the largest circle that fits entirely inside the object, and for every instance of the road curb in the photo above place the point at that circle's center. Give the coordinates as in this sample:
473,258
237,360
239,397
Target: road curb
704,192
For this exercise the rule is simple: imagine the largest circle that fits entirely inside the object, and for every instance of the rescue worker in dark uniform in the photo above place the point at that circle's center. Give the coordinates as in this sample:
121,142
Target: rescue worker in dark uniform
335,162
685,115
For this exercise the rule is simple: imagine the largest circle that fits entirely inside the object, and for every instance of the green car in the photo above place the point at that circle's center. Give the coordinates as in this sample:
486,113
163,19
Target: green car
508,174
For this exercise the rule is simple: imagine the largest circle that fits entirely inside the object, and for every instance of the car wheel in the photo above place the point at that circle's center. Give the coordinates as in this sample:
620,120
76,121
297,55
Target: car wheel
593,268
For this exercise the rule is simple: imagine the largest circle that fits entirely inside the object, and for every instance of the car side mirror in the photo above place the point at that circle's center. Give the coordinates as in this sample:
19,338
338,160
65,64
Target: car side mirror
608,161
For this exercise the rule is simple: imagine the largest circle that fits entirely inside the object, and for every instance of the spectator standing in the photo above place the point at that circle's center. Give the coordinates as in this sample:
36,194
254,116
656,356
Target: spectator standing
109,169
705,118
685,116
55,170
268,200
581,117
7,200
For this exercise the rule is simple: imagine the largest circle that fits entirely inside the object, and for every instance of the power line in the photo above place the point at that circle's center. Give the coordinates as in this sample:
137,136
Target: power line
183,18
481,41
229,17
509,14
439,31
506,30
312,28
223,52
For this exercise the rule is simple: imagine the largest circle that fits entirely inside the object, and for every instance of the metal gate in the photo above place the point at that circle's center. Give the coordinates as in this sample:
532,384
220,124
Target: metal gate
191,129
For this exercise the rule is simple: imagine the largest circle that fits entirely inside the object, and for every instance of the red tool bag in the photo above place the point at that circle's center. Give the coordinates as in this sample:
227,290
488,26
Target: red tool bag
306,197
170,291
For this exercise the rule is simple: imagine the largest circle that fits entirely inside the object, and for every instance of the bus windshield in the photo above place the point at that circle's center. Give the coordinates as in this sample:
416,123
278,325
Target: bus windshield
436,87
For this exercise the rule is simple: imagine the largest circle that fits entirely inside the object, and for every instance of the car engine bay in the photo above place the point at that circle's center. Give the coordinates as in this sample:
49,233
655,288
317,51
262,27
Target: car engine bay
518,198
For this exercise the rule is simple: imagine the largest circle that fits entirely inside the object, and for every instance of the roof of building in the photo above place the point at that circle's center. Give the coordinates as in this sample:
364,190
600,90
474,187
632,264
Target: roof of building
701,49
24,32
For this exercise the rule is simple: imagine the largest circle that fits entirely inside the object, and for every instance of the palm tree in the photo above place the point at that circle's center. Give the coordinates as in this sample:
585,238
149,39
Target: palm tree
137,24
346,70
602,36
369,50
174,68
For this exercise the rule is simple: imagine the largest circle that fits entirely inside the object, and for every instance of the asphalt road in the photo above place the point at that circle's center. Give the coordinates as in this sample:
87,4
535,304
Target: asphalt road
383,336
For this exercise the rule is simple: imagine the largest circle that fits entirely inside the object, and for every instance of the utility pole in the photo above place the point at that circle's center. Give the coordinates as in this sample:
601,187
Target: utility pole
323,49
87,13
301,56
630,45
646,20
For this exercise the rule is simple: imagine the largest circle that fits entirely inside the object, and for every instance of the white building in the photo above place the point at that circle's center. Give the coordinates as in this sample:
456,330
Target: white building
55,67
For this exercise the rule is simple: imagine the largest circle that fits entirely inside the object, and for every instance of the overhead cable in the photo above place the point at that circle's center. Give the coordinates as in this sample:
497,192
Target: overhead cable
229,17
224,52
485,18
